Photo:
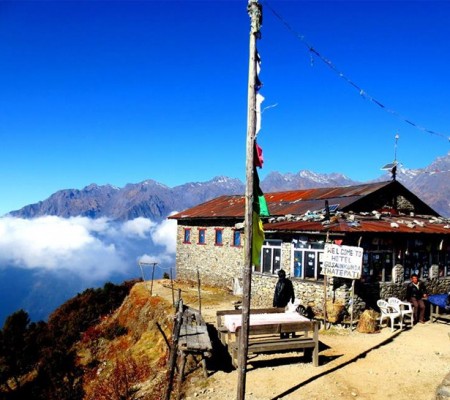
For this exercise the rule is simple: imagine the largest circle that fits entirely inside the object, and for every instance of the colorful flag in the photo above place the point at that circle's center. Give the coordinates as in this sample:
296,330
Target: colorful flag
258,160
258,239
259,201
260,209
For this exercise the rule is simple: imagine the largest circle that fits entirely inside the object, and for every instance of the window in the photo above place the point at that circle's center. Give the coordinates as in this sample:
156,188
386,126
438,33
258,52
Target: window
308,259
271,257
236,238
444,265
218,240
187,235
377,266
201,236
416,262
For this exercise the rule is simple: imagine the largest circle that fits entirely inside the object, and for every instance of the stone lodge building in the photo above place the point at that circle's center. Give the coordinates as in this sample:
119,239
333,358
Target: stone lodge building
399,233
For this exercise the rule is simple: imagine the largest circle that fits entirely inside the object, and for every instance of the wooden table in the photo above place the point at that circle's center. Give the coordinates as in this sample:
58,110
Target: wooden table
273,332
224,333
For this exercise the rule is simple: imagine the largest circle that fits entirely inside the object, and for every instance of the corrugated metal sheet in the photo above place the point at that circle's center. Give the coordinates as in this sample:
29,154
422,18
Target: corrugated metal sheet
299,202
220,207
397,225
282,203
323,194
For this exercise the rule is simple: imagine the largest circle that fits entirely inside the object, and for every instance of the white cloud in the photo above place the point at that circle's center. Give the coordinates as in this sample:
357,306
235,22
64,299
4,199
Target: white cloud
139,227
165,235
92,248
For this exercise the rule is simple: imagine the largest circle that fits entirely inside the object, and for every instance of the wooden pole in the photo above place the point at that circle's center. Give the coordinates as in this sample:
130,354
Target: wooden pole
171,285
254,11
327,240
174,348
352,305
325,302
199,293
153,275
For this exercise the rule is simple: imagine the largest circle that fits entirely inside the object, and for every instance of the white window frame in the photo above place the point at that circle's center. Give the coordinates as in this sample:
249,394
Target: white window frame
271,245
318,260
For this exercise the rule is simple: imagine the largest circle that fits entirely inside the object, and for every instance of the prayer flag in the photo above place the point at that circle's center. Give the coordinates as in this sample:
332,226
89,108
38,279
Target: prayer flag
258,159
258,239
259,201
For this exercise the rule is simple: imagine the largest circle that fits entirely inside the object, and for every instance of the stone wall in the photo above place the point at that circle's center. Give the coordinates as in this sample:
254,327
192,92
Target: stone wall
217,265
308,292
220,265
312,292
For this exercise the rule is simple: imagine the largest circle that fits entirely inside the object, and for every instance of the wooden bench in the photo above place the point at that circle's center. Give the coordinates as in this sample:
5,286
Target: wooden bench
265,339
224,334
193,339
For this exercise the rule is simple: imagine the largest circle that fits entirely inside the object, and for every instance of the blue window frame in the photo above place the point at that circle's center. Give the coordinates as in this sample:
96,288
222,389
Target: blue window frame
187,235
219,237
236,238
201,236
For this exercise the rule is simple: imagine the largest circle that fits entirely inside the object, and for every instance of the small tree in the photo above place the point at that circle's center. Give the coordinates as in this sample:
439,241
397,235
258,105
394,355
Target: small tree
14,357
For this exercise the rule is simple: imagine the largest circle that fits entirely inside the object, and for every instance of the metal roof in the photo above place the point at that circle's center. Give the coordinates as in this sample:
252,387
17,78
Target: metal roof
282,203
400,224
302,211
220,207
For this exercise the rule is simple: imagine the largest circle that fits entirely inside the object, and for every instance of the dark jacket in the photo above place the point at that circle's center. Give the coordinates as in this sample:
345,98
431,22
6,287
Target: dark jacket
284,292
413,291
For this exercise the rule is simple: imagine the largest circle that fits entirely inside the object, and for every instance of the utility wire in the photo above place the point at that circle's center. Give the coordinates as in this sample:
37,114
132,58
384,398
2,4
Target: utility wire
313,52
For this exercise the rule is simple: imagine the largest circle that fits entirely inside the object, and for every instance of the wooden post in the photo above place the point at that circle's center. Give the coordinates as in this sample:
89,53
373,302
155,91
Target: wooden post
153,275
325,302
199,293
327,240
254,11
174,348
171,285
352,300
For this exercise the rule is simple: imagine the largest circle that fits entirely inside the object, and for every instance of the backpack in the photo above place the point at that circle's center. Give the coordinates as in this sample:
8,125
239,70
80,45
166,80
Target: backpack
305,311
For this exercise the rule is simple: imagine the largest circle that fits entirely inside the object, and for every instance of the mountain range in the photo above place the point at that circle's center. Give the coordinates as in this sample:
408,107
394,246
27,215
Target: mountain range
153,200
46,261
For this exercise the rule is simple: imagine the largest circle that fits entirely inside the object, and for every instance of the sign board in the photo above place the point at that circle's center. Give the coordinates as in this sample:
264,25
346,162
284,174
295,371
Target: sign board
342,261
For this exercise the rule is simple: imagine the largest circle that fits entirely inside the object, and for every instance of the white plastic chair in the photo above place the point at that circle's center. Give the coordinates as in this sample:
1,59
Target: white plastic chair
387,311
405,309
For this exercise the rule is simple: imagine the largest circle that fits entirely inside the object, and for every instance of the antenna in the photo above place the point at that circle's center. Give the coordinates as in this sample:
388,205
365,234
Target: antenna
392,167
397,136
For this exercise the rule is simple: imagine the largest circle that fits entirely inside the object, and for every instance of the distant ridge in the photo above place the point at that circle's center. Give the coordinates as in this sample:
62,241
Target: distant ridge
148,199
156,201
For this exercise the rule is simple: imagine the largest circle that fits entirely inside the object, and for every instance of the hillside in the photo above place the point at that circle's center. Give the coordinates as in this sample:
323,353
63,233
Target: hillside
123,356
103,344
352,364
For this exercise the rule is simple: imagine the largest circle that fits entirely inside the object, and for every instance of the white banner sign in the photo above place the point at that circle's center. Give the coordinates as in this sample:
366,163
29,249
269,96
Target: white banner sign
342,261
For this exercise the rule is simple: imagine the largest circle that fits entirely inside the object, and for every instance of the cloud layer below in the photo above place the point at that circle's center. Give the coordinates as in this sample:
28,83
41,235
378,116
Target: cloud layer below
93,249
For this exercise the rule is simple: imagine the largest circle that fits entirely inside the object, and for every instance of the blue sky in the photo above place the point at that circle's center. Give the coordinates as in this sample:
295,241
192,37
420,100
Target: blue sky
122,91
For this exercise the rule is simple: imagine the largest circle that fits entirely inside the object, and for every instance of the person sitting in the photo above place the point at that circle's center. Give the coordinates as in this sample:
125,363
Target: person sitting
416,293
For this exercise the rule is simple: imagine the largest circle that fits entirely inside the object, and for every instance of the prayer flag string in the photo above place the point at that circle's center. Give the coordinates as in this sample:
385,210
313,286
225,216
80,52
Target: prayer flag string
314,53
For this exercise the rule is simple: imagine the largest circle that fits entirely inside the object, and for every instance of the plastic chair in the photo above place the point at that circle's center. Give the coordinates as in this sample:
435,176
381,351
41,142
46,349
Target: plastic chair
405,309
387,311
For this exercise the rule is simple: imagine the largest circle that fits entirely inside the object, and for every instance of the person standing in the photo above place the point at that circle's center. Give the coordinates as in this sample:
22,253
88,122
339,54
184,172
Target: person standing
416,293
284,290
